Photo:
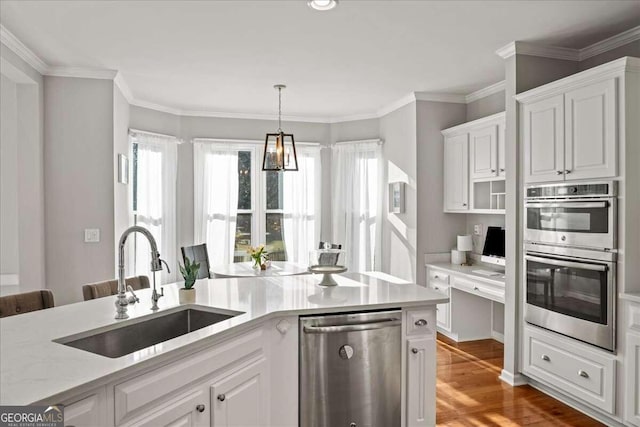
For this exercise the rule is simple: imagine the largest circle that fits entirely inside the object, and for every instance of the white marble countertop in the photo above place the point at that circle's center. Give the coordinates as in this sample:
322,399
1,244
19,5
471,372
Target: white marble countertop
33,367
498,280
245,269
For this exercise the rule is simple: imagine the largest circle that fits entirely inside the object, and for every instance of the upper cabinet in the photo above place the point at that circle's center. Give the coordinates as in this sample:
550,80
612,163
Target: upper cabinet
569,128
474,166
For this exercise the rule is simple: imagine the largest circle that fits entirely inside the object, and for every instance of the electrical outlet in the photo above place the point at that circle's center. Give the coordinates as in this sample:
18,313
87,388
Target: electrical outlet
92,235
477,229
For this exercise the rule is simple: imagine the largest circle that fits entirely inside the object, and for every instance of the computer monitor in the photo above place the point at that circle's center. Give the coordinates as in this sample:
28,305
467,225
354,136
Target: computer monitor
493,252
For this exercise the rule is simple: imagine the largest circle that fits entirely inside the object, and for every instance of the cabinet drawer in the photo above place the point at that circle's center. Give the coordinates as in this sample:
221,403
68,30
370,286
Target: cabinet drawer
437,275
134,395
421,322
575,368
440,287
483,290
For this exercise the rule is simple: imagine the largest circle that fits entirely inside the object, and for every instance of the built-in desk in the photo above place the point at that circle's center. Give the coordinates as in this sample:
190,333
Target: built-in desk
476,307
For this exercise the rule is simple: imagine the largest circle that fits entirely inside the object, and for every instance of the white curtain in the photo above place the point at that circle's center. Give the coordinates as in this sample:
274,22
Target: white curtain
216,199
356,189
156,166
301,205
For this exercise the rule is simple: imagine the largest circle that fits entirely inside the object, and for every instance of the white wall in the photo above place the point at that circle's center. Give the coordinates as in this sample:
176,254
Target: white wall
79,175
437,230
9,242
399,231
29,167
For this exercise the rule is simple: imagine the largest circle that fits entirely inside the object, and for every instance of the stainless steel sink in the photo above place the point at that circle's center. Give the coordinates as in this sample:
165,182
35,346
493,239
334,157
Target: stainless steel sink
136,334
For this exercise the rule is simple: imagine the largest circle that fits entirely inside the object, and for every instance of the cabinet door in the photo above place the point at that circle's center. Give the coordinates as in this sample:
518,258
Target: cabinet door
590,128
88,412
442,316
421,382
484,152
543,135
189,409
240,399
632,375
456,173
502,142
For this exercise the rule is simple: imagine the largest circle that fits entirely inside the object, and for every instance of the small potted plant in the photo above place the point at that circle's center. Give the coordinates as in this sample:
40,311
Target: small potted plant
187,295
259,255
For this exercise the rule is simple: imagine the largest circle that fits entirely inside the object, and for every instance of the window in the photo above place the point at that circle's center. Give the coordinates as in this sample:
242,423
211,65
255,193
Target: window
154,161
251,203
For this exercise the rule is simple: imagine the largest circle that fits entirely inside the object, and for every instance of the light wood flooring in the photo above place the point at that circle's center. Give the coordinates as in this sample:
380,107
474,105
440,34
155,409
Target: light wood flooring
469,392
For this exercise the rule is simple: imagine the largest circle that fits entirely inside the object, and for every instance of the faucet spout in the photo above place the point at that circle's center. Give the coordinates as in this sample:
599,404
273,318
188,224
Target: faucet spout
156,265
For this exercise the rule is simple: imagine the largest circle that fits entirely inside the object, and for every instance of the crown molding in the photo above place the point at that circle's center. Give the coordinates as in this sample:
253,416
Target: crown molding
484,92
611,43
80,72
16,46
464,127
120,82
524,48
453,98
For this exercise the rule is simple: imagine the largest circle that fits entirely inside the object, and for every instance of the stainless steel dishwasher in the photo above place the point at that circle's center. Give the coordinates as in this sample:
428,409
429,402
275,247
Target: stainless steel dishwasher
350,370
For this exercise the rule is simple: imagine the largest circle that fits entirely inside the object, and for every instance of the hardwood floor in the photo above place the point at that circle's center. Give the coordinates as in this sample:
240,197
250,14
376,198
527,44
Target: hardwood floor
469,392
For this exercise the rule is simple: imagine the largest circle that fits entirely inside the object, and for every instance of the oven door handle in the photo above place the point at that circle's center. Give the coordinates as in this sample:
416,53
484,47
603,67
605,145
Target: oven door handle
570,264
575,205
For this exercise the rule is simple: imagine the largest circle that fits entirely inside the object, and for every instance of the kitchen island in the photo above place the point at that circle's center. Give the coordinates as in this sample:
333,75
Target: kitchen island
239,371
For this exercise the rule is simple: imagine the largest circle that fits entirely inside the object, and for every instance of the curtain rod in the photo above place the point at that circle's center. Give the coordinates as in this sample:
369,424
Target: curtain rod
360,141
245,141
162,135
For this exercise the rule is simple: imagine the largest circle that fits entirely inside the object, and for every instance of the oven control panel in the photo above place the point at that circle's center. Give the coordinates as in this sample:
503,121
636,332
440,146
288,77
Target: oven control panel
598,189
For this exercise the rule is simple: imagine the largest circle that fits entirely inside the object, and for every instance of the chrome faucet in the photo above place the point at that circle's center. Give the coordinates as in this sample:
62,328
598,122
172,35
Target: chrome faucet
156,265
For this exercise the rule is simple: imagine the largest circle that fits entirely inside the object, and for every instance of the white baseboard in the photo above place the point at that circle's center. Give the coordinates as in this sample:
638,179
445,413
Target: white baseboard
603,418
497,336
513,380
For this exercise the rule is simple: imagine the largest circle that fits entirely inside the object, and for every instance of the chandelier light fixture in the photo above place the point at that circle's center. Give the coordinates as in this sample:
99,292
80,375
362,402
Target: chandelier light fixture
279,148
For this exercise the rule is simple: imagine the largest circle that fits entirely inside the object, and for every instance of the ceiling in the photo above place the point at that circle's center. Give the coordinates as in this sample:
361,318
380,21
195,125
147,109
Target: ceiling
225,56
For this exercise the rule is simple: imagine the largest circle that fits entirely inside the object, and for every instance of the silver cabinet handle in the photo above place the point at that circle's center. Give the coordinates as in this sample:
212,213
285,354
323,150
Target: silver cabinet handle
545,358
436,288
221,397
583,374
559,172
384,323
420,322
475,288
501,169
464,204
414,350
567,171
493,170
200,408
436,276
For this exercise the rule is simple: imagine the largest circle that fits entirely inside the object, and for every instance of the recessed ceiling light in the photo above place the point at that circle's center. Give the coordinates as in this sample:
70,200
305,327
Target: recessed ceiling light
322,4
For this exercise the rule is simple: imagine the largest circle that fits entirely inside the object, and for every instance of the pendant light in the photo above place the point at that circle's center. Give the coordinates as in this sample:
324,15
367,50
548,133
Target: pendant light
279,148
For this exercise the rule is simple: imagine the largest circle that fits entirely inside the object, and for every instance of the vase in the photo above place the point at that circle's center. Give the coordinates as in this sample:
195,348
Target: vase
187,296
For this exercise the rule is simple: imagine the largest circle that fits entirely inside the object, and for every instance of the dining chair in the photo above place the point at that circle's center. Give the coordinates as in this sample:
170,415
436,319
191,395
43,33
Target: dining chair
110,287
199,254
328,259
10,305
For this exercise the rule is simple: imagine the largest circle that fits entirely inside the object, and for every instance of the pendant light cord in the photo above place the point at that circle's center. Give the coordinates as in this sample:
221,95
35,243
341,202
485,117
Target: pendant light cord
279,109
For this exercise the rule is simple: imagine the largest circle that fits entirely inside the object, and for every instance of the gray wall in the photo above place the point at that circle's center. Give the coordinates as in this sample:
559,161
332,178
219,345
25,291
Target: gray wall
399,231
486,106
121,199
437,230
30,180
9,244
79,183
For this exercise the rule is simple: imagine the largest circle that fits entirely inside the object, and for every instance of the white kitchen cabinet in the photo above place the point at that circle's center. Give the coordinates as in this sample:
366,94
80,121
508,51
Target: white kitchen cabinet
421,376
484,152
590,131
502,142
456,173
89,411
632,375
241,397
543,134
188,409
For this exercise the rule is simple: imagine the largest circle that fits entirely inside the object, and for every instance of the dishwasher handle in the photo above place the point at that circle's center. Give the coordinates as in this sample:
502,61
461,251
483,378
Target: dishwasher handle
384,323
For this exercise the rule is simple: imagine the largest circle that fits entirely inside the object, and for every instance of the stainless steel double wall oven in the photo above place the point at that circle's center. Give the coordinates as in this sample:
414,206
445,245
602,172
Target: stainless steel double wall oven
570,260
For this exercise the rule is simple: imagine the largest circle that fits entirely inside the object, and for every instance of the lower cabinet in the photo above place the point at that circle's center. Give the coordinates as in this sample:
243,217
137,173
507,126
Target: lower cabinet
632,375
421,380
577,369
89,411
189,409
240,399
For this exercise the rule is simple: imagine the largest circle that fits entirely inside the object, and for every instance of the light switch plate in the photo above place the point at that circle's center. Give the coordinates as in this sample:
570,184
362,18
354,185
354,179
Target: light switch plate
92,235
477,229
